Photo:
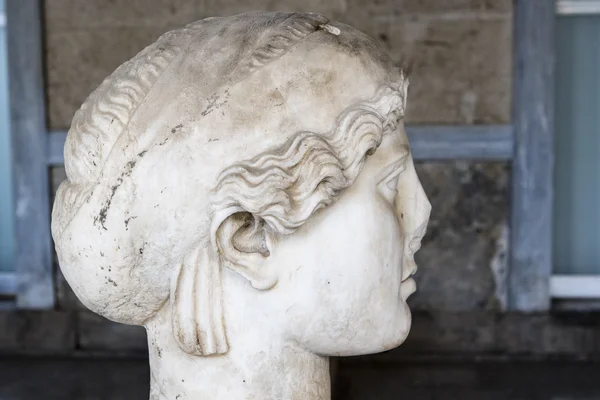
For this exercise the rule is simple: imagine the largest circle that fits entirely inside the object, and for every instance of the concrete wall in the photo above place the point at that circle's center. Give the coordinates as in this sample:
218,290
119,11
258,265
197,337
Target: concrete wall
458,51
459,55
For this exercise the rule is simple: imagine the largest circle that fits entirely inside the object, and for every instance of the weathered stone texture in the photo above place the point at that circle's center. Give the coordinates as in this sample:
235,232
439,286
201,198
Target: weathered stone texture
458,54
458,51
450,332
474,381
37,331
96,333
9,335
73,378
469,213
127,379
77,14
65,298
464,335
485,333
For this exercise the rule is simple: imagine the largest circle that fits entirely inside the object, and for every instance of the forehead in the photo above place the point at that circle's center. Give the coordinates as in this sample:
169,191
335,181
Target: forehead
312,84
306,90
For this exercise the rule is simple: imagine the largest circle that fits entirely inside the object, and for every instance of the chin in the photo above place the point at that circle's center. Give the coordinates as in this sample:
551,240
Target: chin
400,333
384,341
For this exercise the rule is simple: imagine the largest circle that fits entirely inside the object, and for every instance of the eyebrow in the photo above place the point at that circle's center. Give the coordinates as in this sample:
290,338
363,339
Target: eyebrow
397,166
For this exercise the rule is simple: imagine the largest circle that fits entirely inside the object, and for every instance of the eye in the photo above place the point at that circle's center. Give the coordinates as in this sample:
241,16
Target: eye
392,184
388,187
389,177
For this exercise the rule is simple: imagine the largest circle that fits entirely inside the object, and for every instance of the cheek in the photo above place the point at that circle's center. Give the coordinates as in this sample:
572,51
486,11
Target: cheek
375,261
356,252
377,290
362,250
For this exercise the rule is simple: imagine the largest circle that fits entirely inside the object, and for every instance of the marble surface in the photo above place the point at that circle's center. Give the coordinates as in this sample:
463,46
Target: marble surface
244,189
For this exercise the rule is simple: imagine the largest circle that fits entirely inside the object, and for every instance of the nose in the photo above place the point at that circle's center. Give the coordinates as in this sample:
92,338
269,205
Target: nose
412,208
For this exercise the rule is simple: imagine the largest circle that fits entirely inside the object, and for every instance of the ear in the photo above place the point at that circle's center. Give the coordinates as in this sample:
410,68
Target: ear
243,241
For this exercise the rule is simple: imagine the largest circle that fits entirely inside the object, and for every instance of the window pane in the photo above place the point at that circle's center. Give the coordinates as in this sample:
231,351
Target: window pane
577,186
6,209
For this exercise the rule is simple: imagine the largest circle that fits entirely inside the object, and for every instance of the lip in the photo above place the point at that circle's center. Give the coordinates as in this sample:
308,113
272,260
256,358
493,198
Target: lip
407,287
409,275
408,272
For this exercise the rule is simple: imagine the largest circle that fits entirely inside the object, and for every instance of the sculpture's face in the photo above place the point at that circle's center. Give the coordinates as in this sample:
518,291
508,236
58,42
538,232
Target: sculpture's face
221,177
344,276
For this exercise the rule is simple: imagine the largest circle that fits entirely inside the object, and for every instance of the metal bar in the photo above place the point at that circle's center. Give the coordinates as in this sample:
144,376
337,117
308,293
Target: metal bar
479,142
575,286
532,182
435,142
8,283
33,260
578,7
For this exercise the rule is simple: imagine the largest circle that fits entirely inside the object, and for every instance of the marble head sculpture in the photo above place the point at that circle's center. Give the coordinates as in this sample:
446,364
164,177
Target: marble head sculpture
244,189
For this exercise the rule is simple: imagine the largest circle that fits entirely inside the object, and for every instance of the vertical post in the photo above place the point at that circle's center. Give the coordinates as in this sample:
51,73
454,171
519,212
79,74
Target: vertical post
33,258
532,188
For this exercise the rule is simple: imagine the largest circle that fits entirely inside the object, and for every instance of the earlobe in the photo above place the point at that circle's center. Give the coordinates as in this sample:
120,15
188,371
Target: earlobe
243,244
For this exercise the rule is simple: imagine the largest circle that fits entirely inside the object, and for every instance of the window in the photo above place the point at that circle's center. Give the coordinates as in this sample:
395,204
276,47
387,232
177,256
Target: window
6,207
576,249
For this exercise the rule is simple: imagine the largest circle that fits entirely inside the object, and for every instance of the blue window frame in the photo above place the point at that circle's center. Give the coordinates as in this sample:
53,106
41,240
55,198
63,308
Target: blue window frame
6,198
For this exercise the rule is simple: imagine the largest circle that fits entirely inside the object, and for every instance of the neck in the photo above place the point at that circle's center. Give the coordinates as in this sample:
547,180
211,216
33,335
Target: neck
254,368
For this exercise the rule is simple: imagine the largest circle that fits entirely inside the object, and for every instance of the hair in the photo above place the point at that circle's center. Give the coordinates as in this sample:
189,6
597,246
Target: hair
286,186
281,188
105,115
